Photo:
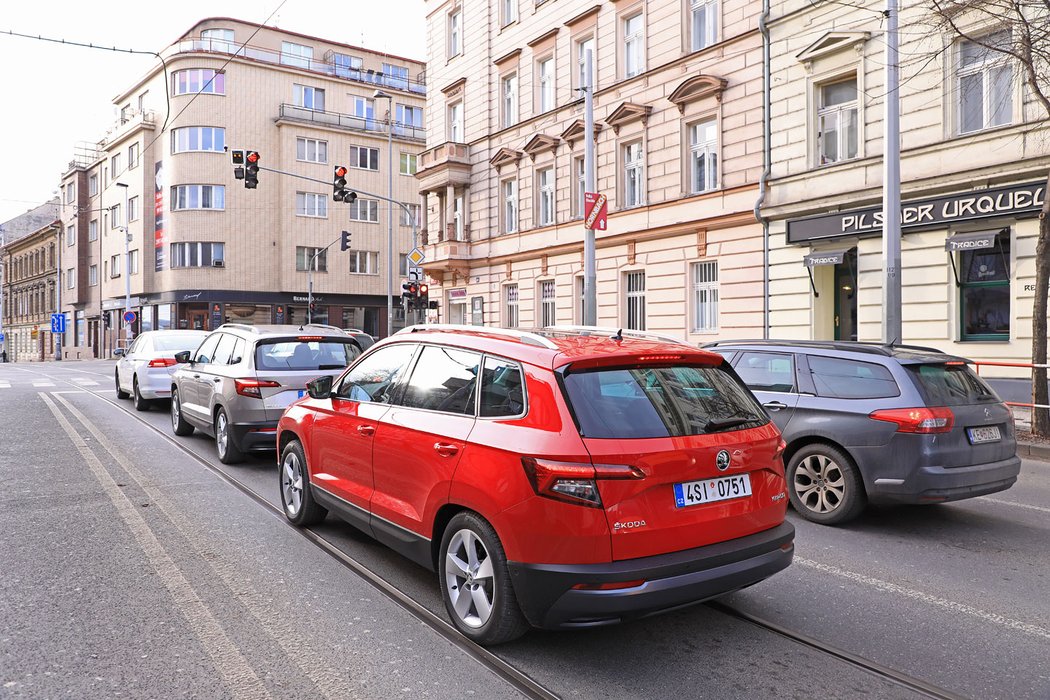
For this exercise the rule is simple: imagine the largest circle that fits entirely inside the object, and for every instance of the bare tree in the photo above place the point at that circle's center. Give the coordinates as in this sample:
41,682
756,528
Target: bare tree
1028,22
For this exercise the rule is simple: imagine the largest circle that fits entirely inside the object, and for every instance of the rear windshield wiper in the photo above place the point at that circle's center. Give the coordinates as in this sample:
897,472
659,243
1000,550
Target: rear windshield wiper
330,366
716,424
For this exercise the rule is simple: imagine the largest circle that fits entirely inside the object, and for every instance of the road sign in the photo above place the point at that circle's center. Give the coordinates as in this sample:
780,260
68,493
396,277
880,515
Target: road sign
1,337
415,274
416,257
58,323
129,317
596,208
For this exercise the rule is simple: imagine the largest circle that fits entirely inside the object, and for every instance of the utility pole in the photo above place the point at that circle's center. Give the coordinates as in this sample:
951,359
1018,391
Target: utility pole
3,283
590,297
891,186
127,267
380,95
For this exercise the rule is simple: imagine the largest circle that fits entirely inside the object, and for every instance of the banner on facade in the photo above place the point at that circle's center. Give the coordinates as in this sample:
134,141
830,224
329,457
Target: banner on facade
971,241
832,258
158,214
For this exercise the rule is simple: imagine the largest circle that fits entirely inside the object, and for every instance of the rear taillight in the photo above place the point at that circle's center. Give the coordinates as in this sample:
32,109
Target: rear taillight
162,362
917,420
574,482
611,586
252,388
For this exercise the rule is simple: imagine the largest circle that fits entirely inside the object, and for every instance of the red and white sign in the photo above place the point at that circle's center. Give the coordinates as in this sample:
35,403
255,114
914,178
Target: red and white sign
596,211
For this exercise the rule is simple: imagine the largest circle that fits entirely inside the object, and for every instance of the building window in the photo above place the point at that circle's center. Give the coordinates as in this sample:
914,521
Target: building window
508,12
71,278
548,308
114,265
985,83
545,193
703,156
365,210
545,84
93,230
347,66
217,40
582,47
93,184
133,156
633,175
511,293
364,262
305,255
364,158
133,261
408,163
197,254
633,45
71,234
837,121
198,197
409,121
455,33
984,291
133,209
71,192
296,55
114,165
311,150
92,275
365,108
396,76
455,122
704,23
579,176
114,217
705,296
636,301
198,138
510,206
581,300
509,101
411,216
457,217
308,97
198,80
311,204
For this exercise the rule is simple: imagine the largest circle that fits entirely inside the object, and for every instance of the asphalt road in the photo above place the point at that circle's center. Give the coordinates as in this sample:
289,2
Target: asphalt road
131,569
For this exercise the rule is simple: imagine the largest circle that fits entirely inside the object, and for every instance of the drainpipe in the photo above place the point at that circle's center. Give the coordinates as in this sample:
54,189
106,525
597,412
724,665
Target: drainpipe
766,166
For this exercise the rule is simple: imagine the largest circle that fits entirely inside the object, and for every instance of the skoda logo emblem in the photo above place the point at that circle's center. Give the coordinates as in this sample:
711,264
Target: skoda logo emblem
722,460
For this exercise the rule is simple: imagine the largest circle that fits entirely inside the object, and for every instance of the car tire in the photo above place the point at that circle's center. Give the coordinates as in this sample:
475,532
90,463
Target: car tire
229,453
140,403
178,422
475,582
121,394
824,485
297,498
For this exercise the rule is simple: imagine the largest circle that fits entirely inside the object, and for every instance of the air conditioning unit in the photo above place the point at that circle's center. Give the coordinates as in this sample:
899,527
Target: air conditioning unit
218,263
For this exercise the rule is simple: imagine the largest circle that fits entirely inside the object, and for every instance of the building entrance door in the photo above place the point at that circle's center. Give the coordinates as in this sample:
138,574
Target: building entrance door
197,320
846,297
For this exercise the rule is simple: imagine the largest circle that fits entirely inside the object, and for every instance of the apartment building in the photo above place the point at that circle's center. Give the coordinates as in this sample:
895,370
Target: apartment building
30,279
201,248
974,163
678,135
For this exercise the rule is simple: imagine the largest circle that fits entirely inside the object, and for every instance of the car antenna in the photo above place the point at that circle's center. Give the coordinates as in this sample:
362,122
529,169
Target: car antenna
619,335
300,327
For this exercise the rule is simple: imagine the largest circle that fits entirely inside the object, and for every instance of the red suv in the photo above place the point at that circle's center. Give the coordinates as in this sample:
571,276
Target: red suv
553,479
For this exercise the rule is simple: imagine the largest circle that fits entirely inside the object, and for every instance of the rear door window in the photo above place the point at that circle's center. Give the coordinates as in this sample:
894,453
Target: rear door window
950,385
301,355
767,371
444,379
655,402
849,379
502,390
375,378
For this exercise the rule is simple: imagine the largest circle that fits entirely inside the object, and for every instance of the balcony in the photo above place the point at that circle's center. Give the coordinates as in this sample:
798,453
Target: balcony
444,165
449,252
350,122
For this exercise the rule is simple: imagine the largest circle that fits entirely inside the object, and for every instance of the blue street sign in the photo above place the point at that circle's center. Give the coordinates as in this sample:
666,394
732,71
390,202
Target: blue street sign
58,323
1,337
129,317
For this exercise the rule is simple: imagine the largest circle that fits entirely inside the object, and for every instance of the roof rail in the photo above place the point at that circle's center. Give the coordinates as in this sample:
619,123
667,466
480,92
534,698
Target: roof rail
326,326
523,336
604,330
851,345
239,326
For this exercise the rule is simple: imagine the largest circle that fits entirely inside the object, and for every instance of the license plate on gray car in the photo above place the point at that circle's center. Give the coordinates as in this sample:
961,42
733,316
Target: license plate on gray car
986,434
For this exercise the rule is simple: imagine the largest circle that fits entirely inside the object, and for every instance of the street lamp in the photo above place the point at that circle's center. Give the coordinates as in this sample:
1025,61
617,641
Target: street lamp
127,266
380,95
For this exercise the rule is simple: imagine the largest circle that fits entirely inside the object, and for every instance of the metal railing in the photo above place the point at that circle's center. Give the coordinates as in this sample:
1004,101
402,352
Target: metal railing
1018,365
349,121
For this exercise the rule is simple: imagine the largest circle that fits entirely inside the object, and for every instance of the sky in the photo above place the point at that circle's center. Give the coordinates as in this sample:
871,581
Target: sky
57,96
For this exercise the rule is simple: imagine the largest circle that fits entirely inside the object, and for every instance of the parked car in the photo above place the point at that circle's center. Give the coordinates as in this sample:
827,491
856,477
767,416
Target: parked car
144,369
552,479
236,384
878,423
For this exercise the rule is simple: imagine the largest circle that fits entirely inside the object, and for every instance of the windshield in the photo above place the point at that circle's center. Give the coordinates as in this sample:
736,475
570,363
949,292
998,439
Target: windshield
330,353
660,402
178,343
950,385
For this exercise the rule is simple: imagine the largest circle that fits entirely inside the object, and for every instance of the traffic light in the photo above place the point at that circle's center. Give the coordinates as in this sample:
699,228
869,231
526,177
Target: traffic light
339,191
251,170
409,292
238,162
423,299
344,244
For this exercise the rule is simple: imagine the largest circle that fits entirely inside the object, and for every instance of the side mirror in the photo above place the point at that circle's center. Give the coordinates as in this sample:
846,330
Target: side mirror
182,357
320,388
119,352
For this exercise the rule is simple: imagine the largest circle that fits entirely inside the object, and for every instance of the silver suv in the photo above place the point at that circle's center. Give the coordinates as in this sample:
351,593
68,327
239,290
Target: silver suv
236,385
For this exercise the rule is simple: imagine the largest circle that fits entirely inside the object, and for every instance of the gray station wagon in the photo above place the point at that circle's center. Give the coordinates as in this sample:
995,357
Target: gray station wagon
877,423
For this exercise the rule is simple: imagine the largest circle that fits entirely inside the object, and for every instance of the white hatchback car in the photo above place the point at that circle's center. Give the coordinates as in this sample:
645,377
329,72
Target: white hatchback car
144,370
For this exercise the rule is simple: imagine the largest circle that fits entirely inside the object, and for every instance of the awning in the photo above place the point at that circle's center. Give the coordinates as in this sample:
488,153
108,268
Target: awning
827,258
971,241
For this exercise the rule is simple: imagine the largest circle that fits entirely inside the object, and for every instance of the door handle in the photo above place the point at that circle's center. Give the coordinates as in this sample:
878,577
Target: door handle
196,376
366,430
444,449
774,405
216,379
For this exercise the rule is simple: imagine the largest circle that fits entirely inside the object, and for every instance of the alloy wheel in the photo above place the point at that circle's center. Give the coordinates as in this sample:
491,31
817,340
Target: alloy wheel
469,578
175,410
819,484
222,437
292,483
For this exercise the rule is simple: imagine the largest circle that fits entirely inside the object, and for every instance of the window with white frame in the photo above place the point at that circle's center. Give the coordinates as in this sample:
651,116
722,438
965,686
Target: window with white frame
457,217
396,76
548,304
409,118
403,265
311,150
837,121
705,296
114,265
311,204
363,158
114,217
545,196
93,230
133,156
217,40
347,66
93,184
71,234
411,215
635,301
198,197
297,55
703,155
508,11
633,175
71,192
133,261
198,138
579,175
704,23
364,210
308,97
197,254
633,45
509,101
408,163
455,33
134,210
205,81
92,275
582,47
71,278
510,293
365,108
545,84
455,122
307,257
115,165
510,206
364,262
984,83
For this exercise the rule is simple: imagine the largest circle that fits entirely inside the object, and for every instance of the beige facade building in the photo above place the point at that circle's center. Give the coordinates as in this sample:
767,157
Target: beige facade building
30,278
204,249
679,148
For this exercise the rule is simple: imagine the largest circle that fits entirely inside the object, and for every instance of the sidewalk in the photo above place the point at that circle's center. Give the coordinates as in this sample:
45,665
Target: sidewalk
1029,446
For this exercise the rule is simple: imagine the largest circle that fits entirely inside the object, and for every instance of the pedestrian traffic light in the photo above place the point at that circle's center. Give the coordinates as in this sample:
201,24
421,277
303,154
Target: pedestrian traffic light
251,170
238,162
339,191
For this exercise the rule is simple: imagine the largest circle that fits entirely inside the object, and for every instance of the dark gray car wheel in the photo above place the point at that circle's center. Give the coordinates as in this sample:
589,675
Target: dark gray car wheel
297,497
178,422
229,453
121,394
824,485
140,403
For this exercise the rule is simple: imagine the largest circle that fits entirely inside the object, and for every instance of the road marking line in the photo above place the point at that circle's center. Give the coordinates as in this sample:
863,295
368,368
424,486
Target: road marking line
240,678
85,381
43,383
5,385
1041,509
927,598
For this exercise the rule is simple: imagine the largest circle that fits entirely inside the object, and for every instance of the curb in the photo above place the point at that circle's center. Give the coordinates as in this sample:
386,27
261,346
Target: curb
1028,450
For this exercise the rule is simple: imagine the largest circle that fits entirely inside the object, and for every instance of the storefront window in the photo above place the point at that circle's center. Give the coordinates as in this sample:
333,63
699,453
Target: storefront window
984,292
146,318
164,317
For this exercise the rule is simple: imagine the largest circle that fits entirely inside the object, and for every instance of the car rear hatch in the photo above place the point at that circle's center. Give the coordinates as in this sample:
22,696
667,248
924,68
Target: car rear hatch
283,366
976,427
683,453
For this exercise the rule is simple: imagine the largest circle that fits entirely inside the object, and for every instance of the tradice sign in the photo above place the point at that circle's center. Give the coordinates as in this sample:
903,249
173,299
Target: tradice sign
596,211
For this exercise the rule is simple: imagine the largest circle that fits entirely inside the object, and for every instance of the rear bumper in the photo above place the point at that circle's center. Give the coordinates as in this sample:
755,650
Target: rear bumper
939,484
255,436
547,598
155,383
